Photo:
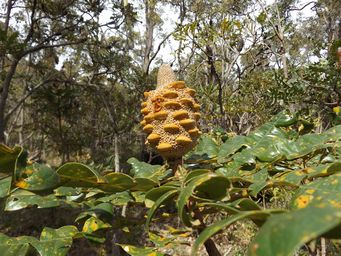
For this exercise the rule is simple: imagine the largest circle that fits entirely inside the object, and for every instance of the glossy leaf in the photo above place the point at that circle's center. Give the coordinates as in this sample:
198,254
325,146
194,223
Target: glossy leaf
15,246
230,147
186,193
55,242
207,148
162,199
136,251
97,211
216,188
121,198
321,192
77,174
284,233
222,224
8,158
5,186
144,184
144,170
21,199
93,224
154,194
284,120
116,182
39,177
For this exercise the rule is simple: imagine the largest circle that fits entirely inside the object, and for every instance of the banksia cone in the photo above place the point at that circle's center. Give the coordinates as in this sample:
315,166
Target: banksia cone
171,116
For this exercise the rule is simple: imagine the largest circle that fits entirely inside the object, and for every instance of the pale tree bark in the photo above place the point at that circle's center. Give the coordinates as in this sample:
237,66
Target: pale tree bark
150,24
116,153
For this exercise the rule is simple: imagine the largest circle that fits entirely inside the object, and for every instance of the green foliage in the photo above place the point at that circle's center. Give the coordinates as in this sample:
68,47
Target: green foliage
220,184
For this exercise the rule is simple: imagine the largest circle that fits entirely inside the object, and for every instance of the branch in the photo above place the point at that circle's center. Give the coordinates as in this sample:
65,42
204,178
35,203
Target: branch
30,33
23,99
40,47
304,6
157,50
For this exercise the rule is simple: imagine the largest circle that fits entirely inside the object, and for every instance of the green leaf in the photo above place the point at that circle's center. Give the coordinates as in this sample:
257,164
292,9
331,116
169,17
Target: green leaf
8,158
67,191
160,241
55,242
154,194
40,177
15,246
222,224
284,120
334,133
98,211
187,192
93,224
122,198
266,150
245,204
116,182
321,192
144,170
136,251
144,184
21,199
5,186
162,199
78,175
261,18
207,148
195,173
230,147
223,206
216,188
282,234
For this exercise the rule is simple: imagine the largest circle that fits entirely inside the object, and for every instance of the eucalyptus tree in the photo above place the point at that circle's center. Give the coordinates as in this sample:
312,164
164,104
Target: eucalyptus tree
30,28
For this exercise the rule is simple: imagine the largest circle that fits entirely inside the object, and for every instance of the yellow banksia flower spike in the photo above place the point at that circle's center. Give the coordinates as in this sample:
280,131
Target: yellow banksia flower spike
171,116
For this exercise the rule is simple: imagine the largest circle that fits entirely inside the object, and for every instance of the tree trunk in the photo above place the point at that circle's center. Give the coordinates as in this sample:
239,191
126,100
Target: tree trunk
21,127
3,98
116,154
149,9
